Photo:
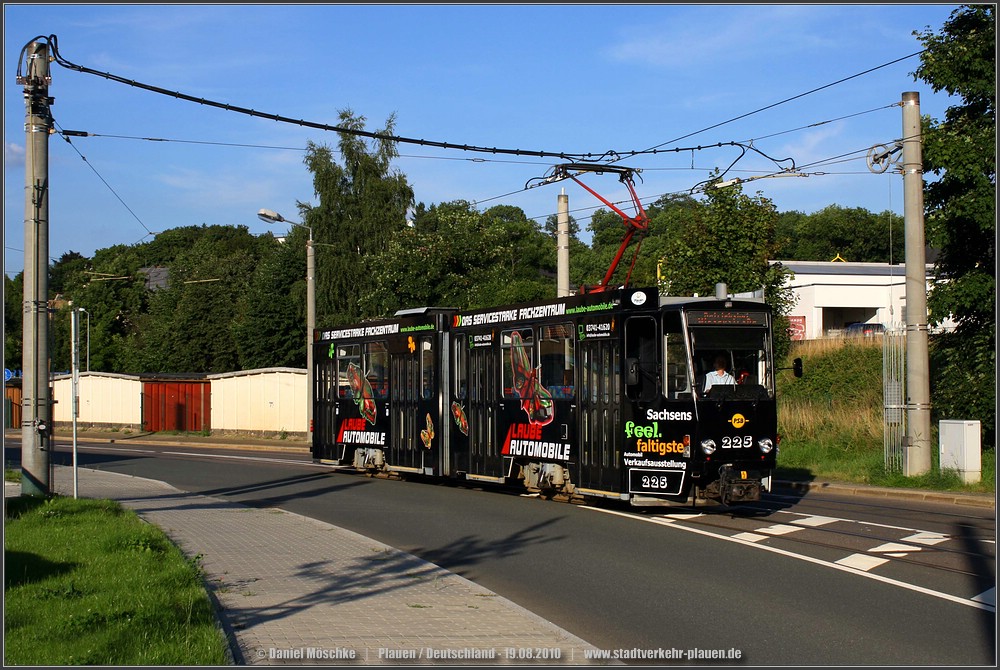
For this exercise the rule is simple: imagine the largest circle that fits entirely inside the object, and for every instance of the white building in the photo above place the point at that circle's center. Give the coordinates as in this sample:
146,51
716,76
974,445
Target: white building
832,295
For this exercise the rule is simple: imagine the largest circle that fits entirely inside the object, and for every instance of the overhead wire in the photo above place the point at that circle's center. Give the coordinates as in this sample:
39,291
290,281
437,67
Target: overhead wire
611,156
105,182
748,142
786,100
491,160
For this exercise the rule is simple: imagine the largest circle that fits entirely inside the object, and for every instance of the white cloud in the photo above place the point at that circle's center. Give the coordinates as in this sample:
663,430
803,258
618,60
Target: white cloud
13,155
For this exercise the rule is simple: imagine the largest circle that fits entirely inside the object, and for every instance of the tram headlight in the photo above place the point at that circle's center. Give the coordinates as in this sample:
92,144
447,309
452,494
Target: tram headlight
708,446
765,444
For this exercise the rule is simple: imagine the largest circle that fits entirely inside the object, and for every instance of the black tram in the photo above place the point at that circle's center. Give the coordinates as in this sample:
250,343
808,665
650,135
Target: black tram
594,395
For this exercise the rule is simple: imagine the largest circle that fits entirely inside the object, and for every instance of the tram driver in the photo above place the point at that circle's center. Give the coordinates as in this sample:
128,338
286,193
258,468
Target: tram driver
719,375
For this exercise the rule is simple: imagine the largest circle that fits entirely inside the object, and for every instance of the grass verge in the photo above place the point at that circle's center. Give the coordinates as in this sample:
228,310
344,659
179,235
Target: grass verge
89,583
833,459
832,421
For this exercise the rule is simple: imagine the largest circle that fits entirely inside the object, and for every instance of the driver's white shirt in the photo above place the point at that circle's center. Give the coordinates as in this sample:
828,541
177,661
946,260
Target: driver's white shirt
713,378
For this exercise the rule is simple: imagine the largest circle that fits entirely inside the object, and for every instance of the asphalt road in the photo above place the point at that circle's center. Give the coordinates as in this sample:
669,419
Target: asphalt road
660,580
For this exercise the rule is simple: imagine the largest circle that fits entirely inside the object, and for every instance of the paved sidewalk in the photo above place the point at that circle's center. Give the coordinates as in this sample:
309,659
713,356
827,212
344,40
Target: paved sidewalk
293,590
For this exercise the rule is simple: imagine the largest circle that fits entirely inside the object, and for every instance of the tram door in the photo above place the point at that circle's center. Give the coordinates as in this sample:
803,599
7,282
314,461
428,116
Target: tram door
404,433
600,414
484,392
325,405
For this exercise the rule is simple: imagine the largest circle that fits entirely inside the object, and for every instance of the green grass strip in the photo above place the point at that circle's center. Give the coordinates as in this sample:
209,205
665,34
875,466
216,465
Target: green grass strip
89,583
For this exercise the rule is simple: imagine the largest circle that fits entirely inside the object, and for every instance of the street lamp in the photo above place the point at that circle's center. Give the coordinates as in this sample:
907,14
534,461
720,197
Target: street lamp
81,309
270,216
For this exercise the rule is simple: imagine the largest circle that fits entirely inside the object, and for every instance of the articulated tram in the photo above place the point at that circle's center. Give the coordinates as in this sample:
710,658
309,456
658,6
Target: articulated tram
597,395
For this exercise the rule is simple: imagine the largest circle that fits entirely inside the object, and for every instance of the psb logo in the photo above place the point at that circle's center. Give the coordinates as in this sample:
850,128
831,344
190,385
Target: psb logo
738,420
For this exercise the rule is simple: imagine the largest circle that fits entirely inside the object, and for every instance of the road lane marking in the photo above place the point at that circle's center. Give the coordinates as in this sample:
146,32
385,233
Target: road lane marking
779,529
863,562
204,455
894,549
926,537
246,458
814,521
989,597
968,602
750,537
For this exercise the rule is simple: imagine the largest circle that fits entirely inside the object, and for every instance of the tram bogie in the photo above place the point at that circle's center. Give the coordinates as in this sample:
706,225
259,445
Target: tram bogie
598,395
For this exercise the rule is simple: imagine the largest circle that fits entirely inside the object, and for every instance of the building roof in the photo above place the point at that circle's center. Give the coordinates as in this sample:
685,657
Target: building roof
847,268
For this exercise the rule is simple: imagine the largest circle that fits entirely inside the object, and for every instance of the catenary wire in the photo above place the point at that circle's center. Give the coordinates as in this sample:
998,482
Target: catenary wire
104,181
609,155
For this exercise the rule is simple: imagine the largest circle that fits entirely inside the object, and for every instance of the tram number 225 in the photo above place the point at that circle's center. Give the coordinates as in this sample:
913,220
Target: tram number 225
737,442
652,482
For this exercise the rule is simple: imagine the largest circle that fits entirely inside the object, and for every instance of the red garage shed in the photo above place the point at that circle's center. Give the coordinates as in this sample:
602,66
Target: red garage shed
176,403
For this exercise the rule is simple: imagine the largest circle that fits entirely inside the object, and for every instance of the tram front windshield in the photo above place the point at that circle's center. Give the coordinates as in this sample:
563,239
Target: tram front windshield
745,353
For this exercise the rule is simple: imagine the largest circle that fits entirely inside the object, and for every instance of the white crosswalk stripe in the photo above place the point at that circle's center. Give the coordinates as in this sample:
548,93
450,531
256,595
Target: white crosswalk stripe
863,562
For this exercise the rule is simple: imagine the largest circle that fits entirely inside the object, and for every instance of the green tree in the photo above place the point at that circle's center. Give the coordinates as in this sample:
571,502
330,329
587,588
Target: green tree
787,235
607,234
961,152
270,323
731,241
668,217
851,233
551,226
524,266
167,305
112,288
189,324
69,263
13,324
455,256
960,213
362,206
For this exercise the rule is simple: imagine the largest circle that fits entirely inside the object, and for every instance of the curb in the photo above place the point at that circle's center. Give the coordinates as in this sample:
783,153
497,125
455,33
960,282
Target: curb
982,500
236,442
842,488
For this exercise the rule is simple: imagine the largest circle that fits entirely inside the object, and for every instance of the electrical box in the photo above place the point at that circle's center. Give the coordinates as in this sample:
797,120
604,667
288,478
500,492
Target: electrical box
961,449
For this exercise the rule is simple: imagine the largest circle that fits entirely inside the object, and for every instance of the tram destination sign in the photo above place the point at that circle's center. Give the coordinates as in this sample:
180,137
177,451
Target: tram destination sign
726,317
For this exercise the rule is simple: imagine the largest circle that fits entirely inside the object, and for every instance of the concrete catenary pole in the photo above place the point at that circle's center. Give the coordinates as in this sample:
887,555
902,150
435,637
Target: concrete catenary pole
917,457
562,246
75,352
310,329
36,406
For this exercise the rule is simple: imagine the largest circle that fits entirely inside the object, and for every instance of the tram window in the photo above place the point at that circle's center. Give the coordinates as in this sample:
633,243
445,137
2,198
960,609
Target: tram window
746,354
426,368
460,367
325,369
377,369
606,374
348,355
594,372
518,367
616,376
555,347
675,357
641,360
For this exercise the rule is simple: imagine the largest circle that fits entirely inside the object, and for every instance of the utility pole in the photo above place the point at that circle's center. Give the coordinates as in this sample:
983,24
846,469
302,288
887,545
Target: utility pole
270,216
917,457
36,399
75,346
562,246
310,329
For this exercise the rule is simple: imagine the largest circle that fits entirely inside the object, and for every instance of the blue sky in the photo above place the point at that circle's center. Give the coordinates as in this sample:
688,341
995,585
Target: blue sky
557,78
